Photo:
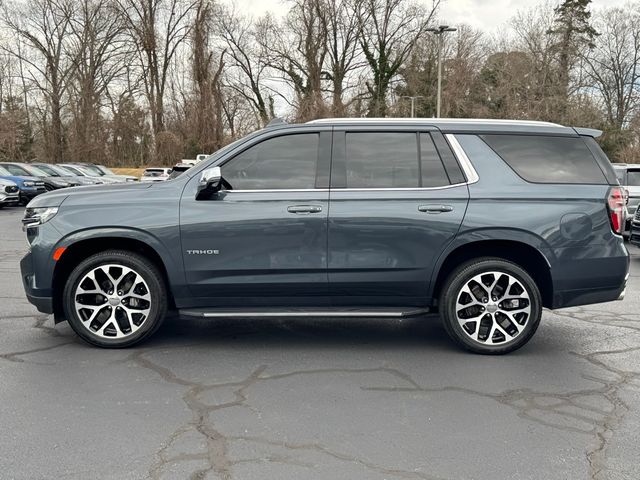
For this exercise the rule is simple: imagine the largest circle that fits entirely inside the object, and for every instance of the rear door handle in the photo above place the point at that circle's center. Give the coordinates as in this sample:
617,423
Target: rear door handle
435,208
304,209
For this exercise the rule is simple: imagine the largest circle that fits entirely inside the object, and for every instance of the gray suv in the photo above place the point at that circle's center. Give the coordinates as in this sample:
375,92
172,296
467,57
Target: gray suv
483,221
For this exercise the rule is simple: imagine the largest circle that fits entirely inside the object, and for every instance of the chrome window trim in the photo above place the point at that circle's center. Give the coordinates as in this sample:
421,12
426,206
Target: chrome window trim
401,189
282,190
465,163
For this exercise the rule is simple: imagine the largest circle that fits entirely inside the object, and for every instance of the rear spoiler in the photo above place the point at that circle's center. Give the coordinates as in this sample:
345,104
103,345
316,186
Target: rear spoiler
588,132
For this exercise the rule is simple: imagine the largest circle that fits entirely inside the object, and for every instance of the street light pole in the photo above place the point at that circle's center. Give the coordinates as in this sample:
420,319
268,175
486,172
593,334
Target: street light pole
439,31
413,103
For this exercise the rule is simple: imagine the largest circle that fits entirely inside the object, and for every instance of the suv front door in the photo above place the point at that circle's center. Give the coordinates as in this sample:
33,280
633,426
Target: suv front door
263,241
398,197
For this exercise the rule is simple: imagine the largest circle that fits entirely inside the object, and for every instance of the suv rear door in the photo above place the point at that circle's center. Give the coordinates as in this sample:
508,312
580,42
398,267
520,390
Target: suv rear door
398,197
265,240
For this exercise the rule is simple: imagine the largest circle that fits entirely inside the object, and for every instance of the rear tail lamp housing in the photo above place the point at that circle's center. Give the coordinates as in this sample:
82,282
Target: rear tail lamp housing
616,207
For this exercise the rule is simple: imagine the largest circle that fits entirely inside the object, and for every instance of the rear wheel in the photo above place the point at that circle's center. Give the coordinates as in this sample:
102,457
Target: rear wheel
490,306
115,299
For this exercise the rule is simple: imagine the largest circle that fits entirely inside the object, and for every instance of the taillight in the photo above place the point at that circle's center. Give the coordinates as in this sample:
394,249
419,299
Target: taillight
616,202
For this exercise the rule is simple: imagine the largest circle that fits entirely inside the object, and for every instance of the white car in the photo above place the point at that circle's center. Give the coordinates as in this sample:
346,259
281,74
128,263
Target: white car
156,174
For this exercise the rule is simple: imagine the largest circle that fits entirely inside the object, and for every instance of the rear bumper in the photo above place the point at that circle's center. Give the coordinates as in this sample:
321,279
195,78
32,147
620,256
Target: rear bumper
581,280
40,298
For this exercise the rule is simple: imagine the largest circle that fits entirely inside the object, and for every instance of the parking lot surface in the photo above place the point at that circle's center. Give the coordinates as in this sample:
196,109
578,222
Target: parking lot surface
317,399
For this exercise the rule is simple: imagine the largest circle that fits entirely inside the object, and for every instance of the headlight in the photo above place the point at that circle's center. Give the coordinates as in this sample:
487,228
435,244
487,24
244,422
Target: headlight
37,216
29,184
60,183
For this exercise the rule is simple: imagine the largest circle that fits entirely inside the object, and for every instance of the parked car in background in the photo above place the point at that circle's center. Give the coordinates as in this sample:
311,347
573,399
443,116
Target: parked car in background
24,169
155,174
85,172
9,193
66,175
179,169
629,177
103,172
485,221
29,187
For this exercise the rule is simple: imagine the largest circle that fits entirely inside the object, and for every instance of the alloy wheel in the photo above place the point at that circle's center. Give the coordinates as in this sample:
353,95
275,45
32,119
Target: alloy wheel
112,301
493,308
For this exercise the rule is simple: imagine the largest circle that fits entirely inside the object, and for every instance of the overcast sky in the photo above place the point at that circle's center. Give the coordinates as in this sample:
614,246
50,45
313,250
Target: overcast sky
488,15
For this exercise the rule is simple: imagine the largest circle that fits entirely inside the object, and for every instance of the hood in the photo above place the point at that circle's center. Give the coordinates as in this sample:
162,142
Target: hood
21,179
5,182
56,197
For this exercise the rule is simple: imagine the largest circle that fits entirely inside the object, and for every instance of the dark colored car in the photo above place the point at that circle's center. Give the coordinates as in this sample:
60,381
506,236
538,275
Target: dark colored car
29,187
66,175
24,169
487,222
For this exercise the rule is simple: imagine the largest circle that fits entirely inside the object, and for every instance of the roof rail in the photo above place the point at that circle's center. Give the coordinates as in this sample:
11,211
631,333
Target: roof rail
276,121
423,120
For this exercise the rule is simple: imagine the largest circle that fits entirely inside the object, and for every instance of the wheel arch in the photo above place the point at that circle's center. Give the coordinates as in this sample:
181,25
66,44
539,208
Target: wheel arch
79,249
521,253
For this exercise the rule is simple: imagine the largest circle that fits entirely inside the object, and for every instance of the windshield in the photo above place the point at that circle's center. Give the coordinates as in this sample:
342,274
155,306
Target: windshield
48,170
62,170
35,171
4,172
103,170
75,170
633,178
90,170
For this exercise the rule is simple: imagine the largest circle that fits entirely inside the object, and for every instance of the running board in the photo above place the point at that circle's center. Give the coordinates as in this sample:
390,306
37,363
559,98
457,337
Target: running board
300,312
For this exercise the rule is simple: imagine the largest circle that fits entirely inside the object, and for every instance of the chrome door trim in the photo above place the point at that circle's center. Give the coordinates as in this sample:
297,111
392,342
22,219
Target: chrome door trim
465,163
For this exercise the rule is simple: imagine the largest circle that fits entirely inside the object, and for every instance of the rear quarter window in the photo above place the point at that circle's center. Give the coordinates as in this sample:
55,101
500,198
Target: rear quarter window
547,159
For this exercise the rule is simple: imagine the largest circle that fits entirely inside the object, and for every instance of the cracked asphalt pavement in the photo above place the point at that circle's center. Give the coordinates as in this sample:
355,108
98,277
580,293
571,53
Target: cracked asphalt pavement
317,399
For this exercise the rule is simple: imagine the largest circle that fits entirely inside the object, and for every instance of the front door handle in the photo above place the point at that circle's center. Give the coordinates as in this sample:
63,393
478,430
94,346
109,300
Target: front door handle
304,209
435,208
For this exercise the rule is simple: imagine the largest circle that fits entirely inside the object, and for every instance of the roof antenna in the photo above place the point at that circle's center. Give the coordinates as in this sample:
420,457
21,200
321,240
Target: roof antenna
275,122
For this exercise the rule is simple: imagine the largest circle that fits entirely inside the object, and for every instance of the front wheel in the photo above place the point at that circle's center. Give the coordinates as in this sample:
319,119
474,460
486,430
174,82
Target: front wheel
490,306
115,299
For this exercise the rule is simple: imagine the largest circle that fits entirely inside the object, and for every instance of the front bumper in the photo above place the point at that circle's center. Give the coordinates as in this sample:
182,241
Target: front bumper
40,298
9,200
28,194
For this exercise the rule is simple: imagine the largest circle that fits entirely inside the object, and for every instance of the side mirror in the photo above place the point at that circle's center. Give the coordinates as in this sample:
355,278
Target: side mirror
210,182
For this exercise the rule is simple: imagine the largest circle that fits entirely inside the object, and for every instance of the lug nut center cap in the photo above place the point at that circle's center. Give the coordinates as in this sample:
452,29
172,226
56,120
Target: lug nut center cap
492,308
114,301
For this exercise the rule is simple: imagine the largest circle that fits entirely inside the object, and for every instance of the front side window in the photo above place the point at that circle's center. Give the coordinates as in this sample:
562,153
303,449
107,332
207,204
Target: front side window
286,162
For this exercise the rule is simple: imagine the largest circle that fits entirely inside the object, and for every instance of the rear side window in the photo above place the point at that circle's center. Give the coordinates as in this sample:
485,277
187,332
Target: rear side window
544,159
393,160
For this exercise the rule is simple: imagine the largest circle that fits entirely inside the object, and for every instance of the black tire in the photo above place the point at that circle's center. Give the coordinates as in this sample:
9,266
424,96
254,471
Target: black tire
145,269
452,288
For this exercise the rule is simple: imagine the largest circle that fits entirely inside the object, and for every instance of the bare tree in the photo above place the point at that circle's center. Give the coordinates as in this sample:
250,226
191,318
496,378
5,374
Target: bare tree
158,28
390,29
297,49
613,66
247,61
98,50
207,73
44,26
344,57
